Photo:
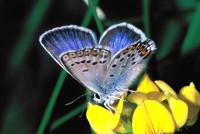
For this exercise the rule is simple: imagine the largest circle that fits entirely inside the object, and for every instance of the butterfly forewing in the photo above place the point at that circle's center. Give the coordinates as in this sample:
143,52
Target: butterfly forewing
75,49
135,64
67,38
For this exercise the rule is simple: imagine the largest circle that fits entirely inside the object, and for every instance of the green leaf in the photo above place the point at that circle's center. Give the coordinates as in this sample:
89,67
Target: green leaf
30,28
97,20
171,33
49,109
192,39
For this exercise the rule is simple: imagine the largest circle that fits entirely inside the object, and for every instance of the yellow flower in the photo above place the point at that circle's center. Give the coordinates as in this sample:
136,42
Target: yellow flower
191,97
146,90
155,109
146,85
102,120
178,108
151,117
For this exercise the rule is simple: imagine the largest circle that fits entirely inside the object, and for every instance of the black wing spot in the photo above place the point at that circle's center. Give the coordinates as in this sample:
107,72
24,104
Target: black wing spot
94,63
118,56
77,62
121,59
83,61
88,61
72,64
85,70
114,65
123,66
132,63
102,62
112,75
132,55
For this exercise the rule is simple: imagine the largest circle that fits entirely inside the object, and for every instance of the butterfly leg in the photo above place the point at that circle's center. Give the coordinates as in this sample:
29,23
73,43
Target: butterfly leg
109,107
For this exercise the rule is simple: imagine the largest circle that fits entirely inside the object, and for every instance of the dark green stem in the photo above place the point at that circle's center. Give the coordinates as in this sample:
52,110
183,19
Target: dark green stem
52,101
94,13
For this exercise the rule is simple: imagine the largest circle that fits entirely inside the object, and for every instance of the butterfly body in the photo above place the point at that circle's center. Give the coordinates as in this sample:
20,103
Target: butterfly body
106,68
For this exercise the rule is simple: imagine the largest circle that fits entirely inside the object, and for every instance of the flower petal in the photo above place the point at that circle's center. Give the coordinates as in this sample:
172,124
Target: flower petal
165,87
120,128
180,113
190,95
151,117
137,97
147,85
158,96
179,109
128,110
100,119
192,121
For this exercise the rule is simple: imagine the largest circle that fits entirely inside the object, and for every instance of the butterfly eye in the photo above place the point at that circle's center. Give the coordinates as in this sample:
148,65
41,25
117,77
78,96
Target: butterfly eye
97,98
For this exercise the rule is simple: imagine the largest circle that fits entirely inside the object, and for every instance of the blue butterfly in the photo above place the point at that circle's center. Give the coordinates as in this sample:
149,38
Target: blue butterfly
107,68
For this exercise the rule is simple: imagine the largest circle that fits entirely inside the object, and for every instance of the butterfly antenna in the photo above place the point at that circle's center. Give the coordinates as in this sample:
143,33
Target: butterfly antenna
77,98
83,110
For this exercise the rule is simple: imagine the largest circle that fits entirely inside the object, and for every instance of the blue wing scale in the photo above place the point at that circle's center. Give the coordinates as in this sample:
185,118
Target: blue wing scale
119,36
67,38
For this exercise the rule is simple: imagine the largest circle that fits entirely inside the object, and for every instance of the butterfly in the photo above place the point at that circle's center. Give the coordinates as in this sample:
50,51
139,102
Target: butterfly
107,67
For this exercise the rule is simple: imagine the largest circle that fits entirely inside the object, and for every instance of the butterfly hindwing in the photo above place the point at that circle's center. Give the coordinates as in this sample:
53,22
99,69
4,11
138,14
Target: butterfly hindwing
85,66
135,62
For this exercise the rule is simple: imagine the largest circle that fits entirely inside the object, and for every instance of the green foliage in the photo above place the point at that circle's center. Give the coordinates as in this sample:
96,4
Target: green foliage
52,101
192,40
30,27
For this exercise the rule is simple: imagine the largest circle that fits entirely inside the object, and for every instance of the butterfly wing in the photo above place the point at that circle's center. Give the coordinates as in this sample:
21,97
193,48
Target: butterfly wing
130,52
66,38
74,49
120,36
130,63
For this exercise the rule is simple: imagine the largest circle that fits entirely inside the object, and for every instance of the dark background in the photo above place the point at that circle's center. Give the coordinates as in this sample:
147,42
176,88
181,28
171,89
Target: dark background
28,73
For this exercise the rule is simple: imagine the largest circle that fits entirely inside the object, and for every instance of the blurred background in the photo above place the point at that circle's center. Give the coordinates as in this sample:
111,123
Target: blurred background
32,83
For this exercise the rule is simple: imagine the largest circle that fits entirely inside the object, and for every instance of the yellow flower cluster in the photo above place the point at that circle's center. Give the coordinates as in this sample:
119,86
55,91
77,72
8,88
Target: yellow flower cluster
154,109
